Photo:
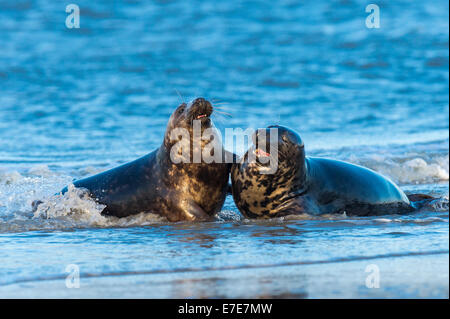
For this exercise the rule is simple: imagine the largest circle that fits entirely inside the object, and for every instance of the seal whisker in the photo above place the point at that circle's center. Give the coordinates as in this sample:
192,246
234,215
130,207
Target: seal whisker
179,95
224,113
222,109
220,118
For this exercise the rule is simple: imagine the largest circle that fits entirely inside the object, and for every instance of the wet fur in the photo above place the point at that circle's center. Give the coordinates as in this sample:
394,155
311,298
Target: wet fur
312,185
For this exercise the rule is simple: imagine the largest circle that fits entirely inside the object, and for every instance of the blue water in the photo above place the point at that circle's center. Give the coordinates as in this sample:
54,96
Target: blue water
74,102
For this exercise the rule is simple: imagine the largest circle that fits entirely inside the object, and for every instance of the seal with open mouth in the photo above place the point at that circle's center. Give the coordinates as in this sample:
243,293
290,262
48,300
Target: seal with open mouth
163,182
308,184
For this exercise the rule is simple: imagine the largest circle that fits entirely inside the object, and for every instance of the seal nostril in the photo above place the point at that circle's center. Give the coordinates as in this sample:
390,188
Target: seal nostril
200,101
201,107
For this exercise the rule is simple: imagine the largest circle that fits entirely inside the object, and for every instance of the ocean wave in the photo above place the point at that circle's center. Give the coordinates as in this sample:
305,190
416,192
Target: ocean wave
412,169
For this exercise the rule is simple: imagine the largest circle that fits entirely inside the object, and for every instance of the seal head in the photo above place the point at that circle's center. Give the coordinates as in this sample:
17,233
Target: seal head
259,194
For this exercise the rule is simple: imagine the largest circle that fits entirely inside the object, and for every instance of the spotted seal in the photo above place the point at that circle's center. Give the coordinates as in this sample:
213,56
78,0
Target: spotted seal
309,184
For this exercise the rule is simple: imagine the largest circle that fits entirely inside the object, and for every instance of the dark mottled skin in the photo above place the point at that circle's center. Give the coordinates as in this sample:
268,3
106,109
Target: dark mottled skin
154,184
311,185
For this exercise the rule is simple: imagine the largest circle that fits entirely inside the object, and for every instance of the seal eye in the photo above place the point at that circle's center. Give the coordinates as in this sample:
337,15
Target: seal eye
181,110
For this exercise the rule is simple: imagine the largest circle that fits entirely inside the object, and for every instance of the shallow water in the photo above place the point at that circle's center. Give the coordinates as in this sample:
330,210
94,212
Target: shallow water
74,102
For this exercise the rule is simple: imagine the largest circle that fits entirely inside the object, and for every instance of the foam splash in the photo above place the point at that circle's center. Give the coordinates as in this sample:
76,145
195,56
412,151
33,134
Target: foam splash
9,178
228,215
18,190
438,205
74,209
75,203
40,170
81,209
409,170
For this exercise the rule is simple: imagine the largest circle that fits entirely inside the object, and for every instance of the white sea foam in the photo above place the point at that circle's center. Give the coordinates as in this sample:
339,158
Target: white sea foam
9,177
83,210
229,215
40,170
73,209
438,205
75,203
409,170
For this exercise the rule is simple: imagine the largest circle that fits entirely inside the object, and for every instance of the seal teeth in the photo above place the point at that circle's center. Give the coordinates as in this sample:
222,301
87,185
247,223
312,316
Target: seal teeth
201,116
259,152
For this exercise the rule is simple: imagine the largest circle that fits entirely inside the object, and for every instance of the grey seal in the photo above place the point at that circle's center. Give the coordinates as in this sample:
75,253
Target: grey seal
156,184
310,185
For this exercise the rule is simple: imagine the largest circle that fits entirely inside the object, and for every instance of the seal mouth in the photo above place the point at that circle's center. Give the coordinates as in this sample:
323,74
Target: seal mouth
202,117
261,153
201,109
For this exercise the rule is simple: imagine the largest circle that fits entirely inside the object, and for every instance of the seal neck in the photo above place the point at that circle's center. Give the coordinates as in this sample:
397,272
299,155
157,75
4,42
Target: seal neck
300,183
163,157
299,166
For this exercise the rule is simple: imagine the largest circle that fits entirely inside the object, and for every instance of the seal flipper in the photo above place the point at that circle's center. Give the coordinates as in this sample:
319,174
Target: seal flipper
193,212
35,204
419,197
419,200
